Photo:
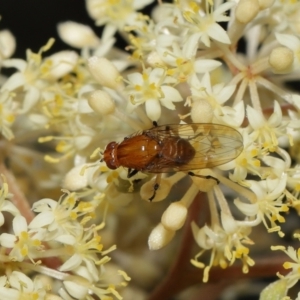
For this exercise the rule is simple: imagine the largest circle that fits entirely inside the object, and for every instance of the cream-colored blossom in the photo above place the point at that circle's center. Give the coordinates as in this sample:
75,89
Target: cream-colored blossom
23,243
269,203
266,132
152,88
20,286
225,243
5,204
204,27
58,217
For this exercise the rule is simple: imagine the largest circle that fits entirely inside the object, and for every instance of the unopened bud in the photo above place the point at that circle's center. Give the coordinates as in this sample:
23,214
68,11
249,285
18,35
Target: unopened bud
174,216
74,180
101,102
281,60
104,72
160,237
263,4
77,35
201,112
247,10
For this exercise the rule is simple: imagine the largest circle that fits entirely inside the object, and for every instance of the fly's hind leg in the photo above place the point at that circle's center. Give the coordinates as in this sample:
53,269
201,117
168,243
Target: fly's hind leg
155,186
204,177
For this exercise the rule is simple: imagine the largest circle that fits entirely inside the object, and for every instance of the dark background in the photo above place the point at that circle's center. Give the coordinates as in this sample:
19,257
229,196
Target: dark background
33,22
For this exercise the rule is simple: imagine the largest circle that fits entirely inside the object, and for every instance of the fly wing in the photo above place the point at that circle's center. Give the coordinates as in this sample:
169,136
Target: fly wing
214,145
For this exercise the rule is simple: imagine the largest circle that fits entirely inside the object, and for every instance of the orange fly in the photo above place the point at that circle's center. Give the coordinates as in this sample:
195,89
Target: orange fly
173,148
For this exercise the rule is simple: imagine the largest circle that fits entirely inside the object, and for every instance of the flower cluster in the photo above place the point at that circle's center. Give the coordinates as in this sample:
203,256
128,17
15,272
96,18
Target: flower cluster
58,235
182,65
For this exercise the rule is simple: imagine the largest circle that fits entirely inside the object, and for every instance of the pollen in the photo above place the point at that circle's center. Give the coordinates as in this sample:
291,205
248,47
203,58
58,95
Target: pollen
73,215
287,265
10,118
61,146
24,235
24,251
297,187
145,76
256,163
36,243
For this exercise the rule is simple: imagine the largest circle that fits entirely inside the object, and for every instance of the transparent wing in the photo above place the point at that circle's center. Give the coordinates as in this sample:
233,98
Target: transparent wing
214,145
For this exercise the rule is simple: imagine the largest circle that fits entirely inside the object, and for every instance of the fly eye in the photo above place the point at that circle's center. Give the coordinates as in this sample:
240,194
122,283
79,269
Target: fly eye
111,164
111,146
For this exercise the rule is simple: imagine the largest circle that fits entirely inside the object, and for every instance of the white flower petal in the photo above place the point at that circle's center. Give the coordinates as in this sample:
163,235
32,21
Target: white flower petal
19,224
288,40
66,239
72,263
43,219
7,240
75,290
62,63
216,32
206,65
20,281
256,119
153,109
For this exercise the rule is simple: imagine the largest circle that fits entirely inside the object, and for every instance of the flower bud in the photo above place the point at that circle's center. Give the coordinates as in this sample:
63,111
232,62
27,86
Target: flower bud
160,237
174,216
74,180
7,44
277,289
247,10
104,72
101,102
281,60
201,112
77,35
263,4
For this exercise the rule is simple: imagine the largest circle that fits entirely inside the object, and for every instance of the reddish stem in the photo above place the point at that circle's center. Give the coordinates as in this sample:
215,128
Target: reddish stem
18,198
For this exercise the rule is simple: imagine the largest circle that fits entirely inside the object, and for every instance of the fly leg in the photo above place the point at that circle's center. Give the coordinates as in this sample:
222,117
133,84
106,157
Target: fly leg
156,186
131,173
204,177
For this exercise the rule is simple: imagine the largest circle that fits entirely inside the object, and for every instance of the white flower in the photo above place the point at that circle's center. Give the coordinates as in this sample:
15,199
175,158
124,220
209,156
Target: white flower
5,204
267,132
216,96
151,87
204,27
56,217
225,243
23,243
19,286
115,14
182,65
269,204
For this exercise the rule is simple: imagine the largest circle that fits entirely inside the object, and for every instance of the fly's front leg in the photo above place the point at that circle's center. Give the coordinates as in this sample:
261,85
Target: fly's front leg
131,173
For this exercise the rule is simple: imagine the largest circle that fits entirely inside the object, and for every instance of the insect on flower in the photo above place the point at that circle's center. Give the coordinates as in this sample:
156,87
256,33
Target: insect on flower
173,148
